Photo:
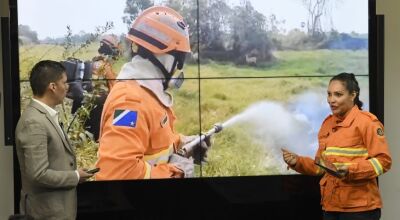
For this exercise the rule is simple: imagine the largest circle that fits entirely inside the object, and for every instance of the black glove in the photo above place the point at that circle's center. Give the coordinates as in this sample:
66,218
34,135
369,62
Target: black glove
200,152
182,163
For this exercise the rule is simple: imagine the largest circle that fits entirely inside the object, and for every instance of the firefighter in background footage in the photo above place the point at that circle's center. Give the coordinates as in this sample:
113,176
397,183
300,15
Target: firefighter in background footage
138,139
354,142
109,51
102,79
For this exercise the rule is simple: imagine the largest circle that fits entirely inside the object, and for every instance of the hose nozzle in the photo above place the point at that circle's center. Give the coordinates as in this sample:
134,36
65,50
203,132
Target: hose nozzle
189,147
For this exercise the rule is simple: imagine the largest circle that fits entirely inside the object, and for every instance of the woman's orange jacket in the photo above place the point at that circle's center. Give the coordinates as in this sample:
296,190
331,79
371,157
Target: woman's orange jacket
359,142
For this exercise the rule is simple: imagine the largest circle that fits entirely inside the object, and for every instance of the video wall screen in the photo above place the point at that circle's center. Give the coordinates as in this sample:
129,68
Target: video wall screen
258,69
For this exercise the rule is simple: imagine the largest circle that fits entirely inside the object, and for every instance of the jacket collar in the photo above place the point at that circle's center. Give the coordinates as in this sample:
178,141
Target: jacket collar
62,135
49,109
348,120
148,76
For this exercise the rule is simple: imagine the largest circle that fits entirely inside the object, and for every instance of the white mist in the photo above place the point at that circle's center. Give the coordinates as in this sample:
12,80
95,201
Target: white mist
293,125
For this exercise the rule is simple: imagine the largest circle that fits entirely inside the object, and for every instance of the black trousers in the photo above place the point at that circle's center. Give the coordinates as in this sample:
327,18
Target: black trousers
367,215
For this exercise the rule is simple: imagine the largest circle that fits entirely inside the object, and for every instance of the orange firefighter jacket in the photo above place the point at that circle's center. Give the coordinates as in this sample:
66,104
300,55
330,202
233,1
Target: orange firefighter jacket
137,135
102,69
359,142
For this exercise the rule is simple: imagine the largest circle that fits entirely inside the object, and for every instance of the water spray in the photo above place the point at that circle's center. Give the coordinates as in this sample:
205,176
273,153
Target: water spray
188,148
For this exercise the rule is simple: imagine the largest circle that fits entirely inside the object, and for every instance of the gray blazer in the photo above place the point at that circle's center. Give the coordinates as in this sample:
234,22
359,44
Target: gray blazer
47,162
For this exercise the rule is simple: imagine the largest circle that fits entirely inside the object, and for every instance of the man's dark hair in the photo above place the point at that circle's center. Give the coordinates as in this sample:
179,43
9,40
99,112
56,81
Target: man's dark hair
351,84
44,73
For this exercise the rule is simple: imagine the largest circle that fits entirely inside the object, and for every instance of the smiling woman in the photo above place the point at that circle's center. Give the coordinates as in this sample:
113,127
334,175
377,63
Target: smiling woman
343,94
353,141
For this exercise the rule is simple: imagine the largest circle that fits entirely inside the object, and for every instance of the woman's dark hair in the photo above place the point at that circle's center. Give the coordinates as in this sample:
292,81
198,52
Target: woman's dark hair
351,85
44,73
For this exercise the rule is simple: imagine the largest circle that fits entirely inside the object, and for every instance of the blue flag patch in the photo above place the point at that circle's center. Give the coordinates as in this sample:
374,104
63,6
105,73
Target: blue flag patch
126,118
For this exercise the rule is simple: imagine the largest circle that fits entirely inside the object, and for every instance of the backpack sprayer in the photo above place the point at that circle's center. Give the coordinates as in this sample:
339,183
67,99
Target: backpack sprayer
188,148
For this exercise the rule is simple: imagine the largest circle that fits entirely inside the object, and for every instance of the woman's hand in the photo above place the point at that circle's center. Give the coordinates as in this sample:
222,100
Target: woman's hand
289,157
342,170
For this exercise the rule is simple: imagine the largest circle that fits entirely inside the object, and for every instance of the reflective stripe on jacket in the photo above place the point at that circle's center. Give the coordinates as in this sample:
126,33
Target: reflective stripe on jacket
139,148
358,141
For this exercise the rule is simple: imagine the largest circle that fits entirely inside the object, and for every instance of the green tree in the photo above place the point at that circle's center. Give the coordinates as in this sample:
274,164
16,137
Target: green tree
188,10
211,25
133,9
27,35
214,24
249,33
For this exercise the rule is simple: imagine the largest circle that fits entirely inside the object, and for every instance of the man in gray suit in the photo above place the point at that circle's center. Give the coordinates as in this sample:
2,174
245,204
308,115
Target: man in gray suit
46,158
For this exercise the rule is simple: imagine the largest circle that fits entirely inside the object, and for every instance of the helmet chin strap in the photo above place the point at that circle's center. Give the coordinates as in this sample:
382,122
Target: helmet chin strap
143,52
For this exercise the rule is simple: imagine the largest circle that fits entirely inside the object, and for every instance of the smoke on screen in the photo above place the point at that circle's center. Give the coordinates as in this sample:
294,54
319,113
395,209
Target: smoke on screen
293,125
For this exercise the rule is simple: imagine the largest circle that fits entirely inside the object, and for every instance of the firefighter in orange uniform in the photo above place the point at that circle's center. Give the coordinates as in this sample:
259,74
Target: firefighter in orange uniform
137,137
102,79
109,51
353,141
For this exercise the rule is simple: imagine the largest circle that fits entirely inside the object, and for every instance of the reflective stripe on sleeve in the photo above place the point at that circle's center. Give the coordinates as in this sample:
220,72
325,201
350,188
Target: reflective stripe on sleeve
376,165
148,171
346,152
160,157
338,164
